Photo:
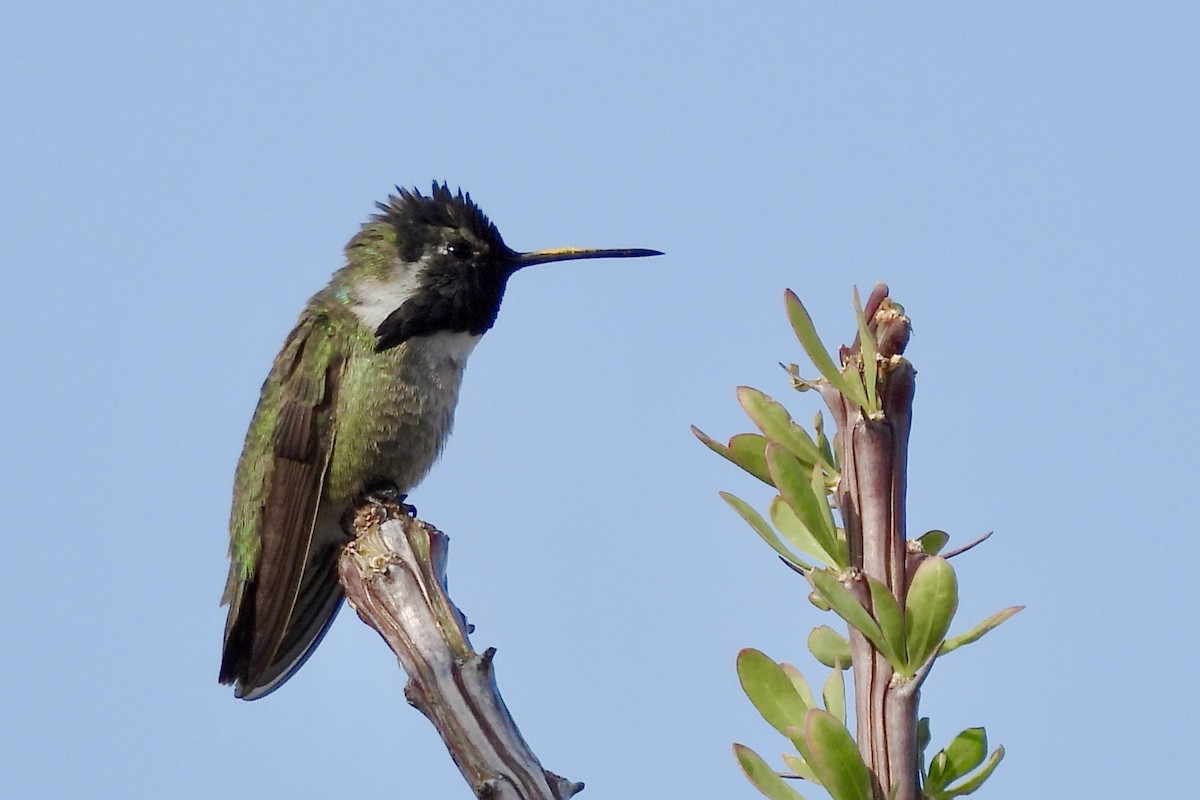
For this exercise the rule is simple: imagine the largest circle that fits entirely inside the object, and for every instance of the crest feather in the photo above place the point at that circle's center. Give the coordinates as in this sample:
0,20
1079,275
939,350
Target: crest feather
443,208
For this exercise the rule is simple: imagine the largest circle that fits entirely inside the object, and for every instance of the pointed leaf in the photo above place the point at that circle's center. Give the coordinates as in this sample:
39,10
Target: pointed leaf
841,550
932,542
795,531
798,381
964,753
806,332
796,488
745,450
834,694
969,546
831,752
931,603
802,687
976,633
868,352
891,623
923,740
765,779
800,768
770,690
823,442
761,527
846,605
975,781
710,443
829,647
776,424
934,783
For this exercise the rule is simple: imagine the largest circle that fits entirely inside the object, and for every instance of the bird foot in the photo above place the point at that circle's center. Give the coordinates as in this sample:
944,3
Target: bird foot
384,497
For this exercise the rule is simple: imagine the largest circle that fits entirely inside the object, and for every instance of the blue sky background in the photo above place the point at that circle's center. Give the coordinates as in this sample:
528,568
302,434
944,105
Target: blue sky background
177,180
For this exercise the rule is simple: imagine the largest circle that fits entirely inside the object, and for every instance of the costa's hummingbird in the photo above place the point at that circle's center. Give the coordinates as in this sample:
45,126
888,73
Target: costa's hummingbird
361,396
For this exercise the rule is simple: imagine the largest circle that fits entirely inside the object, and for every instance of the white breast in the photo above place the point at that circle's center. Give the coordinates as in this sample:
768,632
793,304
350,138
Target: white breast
440,348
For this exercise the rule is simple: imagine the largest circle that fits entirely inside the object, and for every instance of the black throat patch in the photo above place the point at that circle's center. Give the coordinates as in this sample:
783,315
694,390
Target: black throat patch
460,287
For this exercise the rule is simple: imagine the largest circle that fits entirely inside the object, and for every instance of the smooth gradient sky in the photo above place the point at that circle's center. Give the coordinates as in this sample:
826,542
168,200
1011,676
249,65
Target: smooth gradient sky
178,179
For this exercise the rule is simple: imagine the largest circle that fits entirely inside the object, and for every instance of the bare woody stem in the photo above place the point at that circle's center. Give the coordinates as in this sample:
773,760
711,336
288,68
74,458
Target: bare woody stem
871,499
394,573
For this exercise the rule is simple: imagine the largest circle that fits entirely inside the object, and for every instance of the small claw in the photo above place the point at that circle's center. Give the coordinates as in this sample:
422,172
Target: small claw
384,498
383,491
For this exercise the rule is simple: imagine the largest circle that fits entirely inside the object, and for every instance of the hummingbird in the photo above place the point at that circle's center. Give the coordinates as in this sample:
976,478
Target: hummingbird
361,397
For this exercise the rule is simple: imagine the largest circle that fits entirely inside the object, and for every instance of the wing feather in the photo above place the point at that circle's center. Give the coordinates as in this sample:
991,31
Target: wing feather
283,591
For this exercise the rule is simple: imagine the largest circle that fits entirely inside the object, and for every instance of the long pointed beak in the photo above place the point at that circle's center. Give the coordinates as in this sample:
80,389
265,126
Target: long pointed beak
575,253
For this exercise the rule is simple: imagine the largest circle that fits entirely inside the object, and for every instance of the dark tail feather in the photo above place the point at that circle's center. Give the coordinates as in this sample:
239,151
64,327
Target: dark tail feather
316,607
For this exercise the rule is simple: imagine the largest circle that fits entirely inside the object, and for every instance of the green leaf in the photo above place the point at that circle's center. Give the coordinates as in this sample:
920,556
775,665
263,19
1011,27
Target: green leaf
975,781
817,600
823,442
962,755
966,752
868,352
831,752
976,633
765,779
932,542
891,624
799,382
846,605
923,740
806,332
933,785
746,450
802,687
800,768
770,690
795,531
761,527
834,694
829,647
796,488
841,550
776,424
931,603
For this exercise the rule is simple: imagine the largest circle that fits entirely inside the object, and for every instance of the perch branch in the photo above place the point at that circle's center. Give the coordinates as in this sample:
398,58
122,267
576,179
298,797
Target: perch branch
394,573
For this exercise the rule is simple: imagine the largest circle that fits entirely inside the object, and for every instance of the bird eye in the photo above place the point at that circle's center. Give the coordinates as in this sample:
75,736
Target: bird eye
460,250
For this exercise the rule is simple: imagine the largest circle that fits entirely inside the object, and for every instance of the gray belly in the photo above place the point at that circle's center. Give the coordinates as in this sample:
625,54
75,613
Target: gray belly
394,413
